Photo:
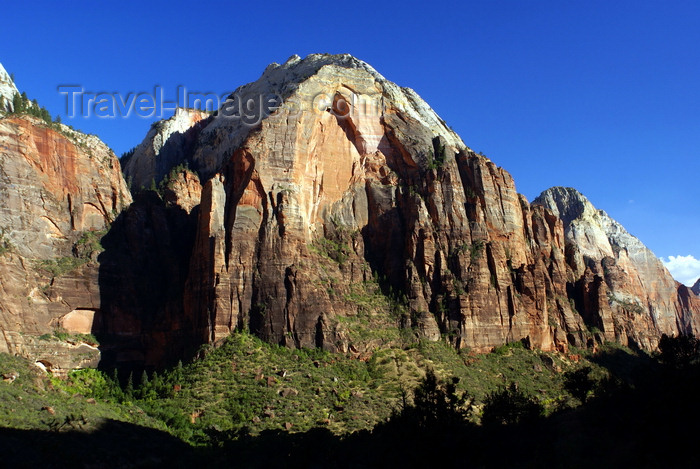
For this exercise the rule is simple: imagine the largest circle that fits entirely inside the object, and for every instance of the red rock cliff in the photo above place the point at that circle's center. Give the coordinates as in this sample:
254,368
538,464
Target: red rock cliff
621,287
60,190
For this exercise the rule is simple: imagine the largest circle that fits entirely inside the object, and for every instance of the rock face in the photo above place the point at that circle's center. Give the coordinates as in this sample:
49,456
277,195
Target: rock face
638,299
354,178
696,287
321,206
7,90
167,144
60,190
335,179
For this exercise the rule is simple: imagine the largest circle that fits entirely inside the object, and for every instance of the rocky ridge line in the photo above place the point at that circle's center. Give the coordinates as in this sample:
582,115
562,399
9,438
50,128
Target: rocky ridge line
638,299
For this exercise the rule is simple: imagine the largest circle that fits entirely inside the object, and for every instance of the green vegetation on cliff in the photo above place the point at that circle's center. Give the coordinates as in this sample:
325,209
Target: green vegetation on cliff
22,105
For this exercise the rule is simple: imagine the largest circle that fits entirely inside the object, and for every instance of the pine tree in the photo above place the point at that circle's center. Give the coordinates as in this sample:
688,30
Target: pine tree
129,391
176,376
157,384
45,115
16,103
144,387
116,389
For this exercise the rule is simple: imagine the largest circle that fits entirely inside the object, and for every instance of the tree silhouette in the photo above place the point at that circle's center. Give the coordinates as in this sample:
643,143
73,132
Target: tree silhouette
680,351
439,404
579,383
510,406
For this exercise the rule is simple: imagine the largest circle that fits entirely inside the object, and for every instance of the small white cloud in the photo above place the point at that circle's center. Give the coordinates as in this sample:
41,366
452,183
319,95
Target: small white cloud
685,269
631,201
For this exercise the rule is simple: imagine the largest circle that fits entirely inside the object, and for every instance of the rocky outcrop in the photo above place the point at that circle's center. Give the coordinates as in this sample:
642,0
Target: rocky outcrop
60,191
7,90
182,189
141,321
142,272
696,287
637,298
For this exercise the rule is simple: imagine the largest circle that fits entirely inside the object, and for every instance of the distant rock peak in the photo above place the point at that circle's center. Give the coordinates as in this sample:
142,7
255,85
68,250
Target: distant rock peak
7,90
635,279
565,202
574,209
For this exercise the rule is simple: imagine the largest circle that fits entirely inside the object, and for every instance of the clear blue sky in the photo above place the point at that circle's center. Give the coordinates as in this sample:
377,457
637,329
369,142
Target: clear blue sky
603,96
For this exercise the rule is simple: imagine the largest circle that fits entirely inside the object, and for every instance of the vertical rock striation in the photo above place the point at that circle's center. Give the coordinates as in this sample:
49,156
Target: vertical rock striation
346,178
333,179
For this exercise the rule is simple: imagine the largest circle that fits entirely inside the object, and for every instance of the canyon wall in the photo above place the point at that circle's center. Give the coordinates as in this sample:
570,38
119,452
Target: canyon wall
621,287
347,182
321,206
60,191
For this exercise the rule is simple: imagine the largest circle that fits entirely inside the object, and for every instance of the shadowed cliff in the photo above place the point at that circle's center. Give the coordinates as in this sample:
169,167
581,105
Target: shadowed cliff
141,322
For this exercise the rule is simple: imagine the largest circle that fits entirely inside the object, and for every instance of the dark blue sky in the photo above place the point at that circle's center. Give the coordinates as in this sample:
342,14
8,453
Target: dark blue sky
598,95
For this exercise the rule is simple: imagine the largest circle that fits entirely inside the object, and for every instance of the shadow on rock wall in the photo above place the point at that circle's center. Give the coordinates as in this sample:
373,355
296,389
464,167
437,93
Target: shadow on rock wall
141,323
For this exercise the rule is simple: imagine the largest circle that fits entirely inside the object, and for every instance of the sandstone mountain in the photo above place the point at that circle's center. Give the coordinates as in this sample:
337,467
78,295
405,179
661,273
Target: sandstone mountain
696,287
321,206
344,183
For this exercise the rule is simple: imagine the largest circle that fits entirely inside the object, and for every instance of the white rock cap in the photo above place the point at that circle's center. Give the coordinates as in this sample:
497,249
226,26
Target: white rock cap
7,90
